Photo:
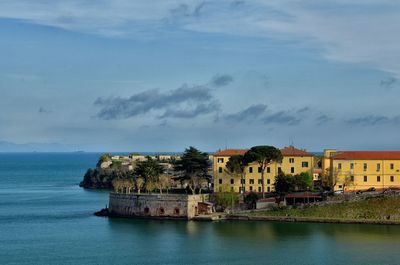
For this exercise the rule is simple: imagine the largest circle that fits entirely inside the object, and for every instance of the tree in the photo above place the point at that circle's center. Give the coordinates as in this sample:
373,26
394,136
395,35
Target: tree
150,170
251,200
164,182
104,158
302,181
283,184
264,156
139,184
193,167
348,181
236,165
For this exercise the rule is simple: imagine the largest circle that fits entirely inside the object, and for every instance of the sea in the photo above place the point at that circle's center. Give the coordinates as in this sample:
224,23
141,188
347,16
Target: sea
46,218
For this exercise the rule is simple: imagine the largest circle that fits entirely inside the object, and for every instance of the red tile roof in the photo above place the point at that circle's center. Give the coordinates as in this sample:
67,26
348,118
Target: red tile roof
231,152
317,170
367,155
292,151
287,151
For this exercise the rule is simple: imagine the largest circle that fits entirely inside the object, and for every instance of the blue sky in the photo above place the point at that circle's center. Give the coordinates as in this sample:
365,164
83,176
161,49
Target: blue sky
135,76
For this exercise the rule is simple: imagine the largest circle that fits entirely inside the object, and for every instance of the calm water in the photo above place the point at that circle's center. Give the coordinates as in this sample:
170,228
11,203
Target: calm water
45,218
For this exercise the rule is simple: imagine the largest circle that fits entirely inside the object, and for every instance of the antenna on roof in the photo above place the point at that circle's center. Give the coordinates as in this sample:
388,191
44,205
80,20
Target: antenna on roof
226,144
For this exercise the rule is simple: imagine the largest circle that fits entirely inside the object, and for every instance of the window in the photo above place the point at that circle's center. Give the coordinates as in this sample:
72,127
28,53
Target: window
251,181
259,169
365,166
340,186
365,178
242,181
251,188
220,160
378,167
378,178
220,181
250,169
391,178
232,181
268,181
351,165
241,190
176,211
352,178
260,181
268,189
391,166
232,190
339,166
291,160
220,170
220,189
304,164
268,170
292,170
259,189
279,170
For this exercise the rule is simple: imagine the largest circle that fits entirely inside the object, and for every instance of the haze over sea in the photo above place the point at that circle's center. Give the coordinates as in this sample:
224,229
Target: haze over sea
45,218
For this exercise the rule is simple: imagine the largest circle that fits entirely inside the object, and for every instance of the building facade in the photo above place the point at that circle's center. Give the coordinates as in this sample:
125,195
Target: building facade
295,161
361,170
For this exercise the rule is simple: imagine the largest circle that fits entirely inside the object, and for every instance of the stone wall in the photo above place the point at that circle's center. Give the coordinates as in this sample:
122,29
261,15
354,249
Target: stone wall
155,205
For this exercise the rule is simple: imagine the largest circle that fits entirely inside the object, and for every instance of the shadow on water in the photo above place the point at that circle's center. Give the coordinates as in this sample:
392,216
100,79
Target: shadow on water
270,230
259,230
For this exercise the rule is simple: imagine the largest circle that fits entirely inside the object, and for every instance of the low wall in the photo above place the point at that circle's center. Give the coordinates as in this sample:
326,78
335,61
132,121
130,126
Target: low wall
155,205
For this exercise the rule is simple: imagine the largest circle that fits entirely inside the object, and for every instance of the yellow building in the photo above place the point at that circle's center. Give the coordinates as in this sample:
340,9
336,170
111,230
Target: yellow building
295,161
361,170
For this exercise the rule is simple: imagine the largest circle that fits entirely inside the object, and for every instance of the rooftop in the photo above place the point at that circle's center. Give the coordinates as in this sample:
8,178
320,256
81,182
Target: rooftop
367,155
287,151
231,152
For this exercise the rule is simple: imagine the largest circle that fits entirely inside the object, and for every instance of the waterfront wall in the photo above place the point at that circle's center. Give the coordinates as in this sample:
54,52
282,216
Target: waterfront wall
155,205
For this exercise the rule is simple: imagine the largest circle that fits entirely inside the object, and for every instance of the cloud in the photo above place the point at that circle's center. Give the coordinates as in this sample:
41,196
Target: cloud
388,83
351,31
192,112
282,118
183,102
44,111
323,119
221,80
372,120
261,113
249,114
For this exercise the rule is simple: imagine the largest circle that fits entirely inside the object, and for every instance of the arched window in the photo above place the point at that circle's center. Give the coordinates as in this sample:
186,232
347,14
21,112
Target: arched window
146,210
176,211
161,211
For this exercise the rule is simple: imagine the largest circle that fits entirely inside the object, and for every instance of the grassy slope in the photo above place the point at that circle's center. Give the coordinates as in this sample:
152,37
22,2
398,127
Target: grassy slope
370,209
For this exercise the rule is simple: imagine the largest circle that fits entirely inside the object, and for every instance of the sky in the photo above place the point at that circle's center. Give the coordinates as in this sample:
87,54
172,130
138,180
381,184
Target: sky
159,76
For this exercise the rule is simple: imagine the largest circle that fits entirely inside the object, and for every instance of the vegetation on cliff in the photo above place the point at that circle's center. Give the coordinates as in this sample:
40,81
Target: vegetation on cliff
150,175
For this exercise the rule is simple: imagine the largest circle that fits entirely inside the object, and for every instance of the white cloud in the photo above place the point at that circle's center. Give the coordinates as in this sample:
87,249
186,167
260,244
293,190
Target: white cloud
351,31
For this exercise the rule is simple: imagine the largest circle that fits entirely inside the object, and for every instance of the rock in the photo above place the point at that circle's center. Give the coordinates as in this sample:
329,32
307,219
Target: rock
103,212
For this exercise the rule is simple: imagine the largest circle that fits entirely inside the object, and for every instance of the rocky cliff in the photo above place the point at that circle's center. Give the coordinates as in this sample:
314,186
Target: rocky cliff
98,179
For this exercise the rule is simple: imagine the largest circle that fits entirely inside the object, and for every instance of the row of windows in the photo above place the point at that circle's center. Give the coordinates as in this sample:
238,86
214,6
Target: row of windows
378,178
268,169
221,160
243,181
365,166
243,190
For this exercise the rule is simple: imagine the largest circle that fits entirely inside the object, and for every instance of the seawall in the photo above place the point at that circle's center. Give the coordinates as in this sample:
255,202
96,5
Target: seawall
176,206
